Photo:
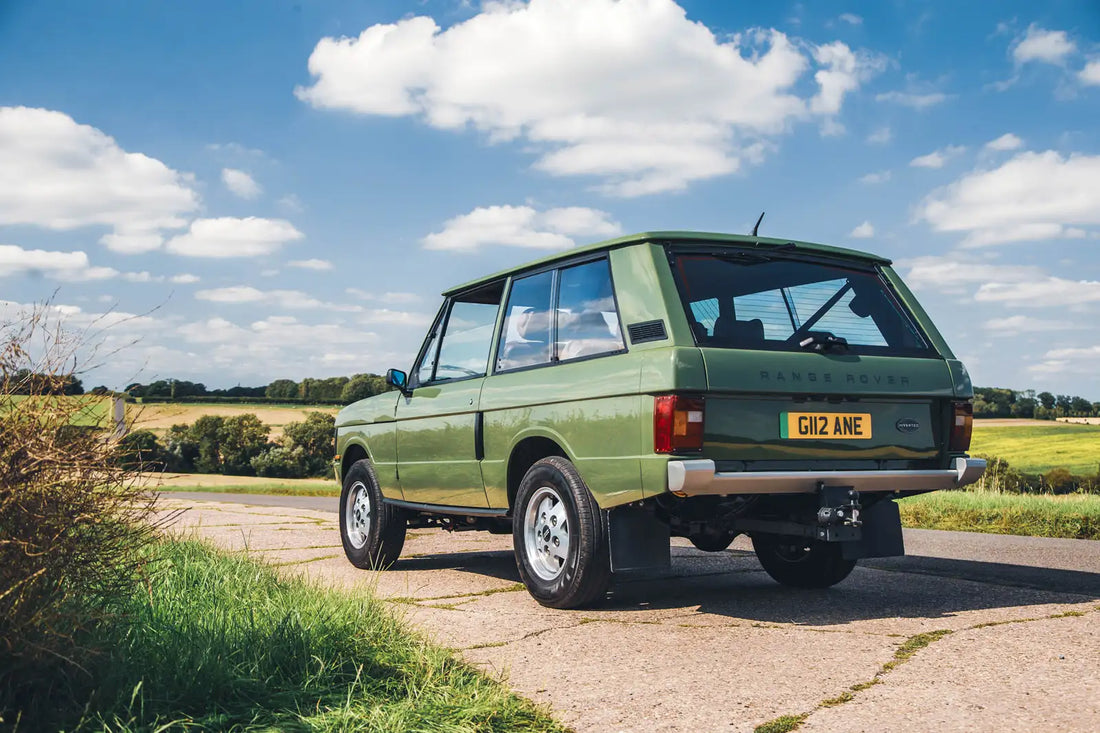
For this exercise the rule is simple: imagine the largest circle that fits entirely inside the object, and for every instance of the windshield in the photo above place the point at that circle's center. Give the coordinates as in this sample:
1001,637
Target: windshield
744,300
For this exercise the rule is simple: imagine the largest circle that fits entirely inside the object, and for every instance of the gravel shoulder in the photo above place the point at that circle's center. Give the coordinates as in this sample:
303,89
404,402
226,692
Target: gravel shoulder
1010,625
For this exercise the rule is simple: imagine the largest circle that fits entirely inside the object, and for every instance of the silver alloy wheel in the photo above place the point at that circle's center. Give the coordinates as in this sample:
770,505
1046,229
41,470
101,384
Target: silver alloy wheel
546,533
357,514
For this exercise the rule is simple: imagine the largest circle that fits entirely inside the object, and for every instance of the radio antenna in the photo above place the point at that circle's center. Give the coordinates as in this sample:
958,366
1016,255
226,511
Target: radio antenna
756,228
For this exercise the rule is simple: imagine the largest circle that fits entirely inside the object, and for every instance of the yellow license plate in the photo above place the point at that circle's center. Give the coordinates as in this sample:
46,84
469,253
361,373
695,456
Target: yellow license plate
832,425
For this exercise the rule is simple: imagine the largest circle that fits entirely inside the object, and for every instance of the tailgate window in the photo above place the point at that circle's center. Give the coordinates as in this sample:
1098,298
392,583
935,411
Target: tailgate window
736,299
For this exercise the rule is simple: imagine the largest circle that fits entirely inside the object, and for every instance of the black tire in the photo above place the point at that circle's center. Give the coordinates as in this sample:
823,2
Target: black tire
378,543
712,540
581,573
801,562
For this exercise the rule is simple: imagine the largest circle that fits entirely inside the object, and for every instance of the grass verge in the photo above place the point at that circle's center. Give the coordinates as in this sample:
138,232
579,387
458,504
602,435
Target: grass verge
275,488
223,643
1073,516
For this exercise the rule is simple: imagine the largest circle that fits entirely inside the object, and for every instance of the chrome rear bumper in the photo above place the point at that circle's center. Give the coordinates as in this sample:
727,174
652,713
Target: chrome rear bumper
700,478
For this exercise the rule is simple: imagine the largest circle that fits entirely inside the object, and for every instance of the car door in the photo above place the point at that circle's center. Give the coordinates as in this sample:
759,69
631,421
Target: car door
437,422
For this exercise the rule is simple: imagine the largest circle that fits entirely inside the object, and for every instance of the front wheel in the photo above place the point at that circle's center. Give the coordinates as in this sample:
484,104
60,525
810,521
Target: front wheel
372,531
559,536
801,562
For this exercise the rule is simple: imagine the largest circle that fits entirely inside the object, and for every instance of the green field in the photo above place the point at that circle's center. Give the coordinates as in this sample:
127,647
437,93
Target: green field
84,409
1039,448
1075,516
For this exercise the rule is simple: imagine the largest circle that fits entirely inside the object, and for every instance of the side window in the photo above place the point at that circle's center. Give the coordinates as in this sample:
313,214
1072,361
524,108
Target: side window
468,334
588,323
525,340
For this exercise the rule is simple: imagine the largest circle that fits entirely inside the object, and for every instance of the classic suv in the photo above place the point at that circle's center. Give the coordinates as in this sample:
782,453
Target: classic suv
599,401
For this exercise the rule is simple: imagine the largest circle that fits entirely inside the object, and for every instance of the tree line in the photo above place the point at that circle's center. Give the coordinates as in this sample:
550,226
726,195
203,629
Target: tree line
1001,402
331,390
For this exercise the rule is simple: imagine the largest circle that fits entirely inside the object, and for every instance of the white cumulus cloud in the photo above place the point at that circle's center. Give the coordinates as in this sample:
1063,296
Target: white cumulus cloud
864,231
1031,197
68,266
878,177
286,299
241,183
631,92
521,226
916,100
61,175
1049,291
1012,325
1090,75
1008,141
1039,44
233,237
937,158
953,274
311,264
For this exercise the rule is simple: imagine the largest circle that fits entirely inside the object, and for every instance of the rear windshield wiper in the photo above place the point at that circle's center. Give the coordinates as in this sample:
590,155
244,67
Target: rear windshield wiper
823,342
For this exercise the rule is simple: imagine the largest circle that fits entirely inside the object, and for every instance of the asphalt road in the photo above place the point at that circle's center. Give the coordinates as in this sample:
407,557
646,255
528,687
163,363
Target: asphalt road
713,644
1029,562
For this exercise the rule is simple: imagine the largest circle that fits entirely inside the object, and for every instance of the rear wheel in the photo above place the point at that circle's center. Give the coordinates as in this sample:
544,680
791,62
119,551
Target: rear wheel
559,536
801,562
372,531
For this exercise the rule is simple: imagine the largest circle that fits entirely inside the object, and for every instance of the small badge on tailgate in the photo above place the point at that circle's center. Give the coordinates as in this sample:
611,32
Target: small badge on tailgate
907,425
817,425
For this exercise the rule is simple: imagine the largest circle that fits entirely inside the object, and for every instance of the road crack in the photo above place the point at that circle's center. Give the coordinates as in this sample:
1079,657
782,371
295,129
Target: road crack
905,651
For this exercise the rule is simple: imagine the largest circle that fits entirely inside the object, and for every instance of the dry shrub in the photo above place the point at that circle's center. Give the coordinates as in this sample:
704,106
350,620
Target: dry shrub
73,519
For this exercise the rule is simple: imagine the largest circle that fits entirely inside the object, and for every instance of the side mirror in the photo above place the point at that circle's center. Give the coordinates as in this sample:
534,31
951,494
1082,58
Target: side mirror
398,378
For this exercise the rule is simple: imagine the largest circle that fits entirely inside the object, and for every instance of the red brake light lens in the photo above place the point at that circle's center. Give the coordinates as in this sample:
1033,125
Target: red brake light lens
962,425
677,423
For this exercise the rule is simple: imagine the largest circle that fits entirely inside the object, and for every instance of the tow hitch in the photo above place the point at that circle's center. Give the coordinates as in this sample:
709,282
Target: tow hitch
838,519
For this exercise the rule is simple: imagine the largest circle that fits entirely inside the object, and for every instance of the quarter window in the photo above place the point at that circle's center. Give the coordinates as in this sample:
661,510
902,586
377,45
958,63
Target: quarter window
526,337
588,323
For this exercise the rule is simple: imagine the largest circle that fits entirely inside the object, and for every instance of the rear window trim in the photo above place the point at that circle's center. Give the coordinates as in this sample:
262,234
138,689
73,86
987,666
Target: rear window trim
673,250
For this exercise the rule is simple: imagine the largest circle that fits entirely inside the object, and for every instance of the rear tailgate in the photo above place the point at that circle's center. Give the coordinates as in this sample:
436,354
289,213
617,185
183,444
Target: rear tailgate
764,406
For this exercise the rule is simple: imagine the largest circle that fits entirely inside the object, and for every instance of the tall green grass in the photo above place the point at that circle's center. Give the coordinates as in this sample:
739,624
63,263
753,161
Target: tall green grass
1074,516
220,642
1041,448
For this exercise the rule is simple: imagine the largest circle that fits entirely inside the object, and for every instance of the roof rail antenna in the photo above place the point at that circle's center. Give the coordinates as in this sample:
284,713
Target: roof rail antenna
756,228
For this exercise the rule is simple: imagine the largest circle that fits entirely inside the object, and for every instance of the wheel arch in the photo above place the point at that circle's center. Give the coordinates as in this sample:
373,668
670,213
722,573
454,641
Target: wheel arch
353,451
524,454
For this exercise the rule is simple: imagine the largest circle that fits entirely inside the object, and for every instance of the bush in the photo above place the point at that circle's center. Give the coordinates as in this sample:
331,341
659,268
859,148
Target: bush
140,451
280,462
72,518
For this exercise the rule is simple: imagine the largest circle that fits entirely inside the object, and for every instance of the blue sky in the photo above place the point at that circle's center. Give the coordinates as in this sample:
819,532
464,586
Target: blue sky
258,190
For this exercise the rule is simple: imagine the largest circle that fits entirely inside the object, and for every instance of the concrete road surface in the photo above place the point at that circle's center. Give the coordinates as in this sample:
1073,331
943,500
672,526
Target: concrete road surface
968,632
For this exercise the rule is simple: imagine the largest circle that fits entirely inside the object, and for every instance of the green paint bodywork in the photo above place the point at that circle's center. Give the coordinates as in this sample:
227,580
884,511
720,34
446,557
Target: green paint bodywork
599,411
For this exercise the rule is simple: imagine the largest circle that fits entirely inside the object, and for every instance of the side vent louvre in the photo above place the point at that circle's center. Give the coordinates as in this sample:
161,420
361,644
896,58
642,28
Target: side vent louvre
647,331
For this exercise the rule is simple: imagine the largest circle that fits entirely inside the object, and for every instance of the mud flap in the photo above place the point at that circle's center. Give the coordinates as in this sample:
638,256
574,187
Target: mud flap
881,533
639,541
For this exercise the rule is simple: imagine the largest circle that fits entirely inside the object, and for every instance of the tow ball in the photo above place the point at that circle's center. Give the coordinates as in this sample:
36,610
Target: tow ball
838,518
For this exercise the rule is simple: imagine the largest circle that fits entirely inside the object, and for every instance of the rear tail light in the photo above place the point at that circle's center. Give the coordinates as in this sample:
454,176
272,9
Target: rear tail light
962,424
677,423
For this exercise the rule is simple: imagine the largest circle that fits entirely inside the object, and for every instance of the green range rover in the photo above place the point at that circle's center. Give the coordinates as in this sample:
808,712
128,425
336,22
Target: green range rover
597,402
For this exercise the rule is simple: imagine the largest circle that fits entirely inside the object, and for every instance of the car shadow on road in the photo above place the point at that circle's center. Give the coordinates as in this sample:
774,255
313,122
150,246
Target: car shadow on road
733,584
903,587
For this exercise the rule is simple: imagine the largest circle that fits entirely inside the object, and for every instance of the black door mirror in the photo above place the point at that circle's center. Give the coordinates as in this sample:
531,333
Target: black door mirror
398,378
